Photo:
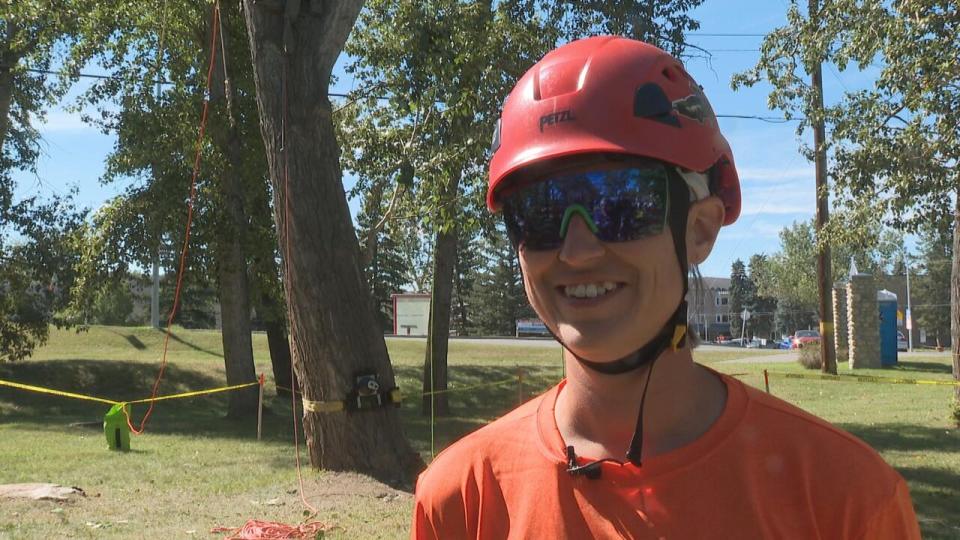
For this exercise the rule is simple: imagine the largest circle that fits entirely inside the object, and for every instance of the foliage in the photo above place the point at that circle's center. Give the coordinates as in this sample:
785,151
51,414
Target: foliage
789,276
762,322
498,298
741,296
809,356
384,272
931,281
36,271
896,145
113,303
465,274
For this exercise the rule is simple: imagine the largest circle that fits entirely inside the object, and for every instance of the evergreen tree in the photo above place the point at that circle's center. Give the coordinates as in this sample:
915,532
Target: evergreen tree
465,272
384,272
498,295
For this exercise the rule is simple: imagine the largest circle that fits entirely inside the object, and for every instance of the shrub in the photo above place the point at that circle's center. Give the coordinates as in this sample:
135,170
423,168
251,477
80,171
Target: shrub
810,356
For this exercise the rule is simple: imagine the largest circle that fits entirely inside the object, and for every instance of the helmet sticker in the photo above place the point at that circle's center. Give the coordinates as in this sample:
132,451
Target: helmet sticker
695,105
651,102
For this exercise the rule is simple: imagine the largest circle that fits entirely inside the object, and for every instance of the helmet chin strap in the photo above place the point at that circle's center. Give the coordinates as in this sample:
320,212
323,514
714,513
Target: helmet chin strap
672,335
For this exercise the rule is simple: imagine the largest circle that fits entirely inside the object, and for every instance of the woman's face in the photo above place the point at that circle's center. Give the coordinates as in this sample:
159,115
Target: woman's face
636,287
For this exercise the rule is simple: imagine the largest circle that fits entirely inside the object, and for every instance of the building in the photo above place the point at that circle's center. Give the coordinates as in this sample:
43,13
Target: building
709,315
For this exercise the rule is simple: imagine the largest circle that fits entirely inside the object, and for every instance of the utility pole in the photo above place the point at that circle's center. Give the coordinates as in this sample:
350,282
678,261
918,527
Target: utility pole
824,278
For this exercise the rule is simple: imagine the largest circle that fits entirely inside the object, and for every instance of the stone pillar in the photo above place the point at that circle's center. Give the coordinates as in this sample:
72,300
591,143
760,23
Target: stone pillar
863,322
840,322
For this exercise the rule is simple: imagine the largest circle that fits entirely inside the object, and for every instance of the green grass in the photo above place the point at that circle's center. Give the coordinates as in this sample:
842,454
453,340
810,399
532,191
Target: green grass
193,470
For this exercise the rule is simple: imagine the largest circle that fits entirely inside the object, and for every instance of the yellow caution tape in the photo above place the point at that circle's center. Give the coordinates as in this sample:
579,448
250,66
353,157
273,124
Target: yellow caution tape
863,378
335,406
196,393
51,391
42,390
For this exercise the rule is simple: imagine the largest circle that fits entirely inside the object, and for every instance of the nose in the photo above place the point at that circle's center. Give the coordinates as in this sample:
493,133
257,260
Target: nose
580,245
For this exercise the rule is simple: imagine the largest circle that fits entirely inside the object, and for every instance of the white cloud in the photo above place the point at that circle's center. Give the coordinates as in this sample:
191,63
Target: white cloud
60,121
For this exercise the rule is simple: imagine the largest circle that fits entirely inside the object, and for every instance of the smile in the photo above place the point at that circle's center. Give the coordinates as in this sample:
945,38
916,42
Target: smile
589,290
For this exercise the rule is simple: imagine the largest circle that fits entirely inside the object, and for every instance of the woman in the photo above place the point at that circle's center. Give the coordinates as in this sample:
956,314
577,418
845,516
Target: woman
613,178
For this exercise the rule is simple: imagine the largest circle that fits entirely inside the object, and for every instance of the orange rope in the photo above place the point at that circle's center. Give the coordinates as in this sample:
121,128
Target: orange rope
255,529
215,16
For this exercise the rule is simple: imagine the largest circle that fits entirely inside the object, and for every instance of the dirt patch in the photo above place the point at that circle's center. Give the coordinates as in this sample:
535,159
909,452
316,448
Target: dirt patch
40,492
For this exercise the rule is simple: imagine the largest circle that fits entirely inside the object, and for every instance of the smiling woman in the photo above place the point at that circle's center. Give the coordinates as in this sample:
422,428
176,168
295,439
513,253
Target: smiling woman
609,205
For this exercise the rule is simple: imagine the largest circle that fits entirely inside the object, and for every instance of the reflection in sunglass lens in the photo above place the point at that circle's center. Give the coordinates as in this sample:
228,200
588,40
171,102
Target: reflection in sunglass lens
624,204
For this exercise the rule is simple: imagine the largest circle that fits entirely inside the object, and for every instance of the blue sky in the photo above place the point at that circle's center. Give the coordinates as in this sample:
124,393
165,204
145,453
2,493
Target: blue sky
777,182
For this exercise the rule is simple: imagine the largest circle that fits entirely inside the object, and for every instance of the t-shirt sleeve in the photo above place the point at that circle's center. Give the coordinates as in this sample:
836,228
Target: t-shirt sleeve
440,508
894,520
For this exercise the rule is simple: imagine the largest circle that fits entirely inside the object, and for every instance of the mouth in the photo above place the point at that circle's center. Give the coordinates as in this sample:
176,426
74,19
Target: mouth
590,291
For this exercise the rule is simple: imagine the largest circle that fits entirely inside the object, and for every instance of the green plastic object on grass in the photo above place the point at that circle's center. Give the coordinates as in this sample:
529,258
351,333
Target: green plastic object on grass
115,428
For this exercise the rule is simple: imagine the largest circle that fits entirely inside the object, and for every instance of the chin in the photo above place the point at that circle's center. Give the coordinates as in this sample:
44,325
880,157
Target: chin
596,346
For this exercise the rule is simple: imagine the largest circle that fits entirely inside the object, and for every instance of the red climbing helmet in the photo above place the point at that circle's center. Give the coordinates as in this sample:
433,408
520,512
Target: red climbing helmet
612,95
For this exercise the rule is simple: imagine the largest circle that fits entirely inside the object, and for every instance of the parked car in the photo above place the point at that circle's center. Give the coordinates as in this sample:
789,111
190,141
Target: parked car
901,342
785,343
802,337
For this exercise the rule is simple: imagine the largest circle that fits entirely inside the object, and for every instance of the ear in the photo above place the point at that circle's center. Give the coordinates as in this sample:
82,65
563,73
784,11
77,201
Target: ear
703,225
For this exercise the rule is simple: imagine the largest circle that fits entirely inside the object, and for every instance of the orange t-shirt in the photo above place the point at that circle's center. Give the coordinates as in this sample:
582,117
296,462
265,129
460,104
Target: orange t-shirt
765,469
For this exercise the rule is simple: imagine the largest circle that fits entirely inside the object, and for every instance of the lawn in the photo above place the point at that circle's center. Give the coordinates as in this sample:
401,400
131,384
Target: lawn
193,470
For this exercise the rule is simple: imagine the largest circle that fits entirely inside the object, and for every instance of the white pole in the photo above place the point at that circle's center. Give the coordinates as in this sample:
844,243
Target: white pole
909,317
260,409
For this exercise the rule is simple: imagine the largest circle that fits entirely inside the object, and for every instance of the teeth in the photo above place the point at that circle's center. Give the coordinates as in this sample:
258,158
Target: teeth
589,290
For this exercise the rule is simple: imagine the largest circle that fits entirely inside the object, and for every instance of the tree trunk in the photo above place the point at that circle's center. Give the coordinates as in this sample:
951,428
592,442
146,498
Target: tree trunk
8,59
279,344
234,290
438,336
331,340
955,300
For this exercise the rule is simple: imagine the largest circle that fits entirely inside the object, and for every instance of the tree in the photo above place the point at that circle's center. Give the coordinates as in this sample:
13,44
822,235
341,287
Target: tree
931,285
912,46
762,322
35,37
445,66
156,127
741,296
293,54
384,272
498,298
36,271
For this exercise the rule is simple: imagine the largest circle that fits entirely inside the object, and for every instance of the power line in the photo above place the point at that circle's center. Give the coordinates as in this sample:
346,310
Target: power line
768,119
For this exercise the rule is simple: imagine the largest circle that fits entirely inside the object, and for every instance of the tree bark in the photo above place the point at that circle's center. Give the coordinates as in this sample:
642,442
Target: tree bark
955,300
332,341
234,289
8,59
279,345
435,357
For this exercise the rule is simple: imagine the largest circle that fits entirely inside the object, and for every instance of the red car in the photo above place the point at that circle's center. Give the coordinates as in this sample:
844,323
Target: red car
802,337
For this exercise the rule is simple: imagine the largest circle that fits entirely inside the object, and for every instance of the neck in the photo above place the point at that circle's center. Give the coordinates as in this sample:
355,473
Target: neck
597,413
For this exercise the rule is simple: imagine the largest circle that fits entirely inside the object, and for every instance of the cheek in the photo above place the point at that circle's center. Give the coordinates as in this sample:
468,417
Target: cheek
534,266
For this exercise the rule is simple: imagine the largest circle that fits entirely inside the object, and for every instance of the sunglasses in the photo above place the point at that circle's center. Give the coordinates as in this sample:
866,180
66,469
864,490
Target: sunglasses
618,204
